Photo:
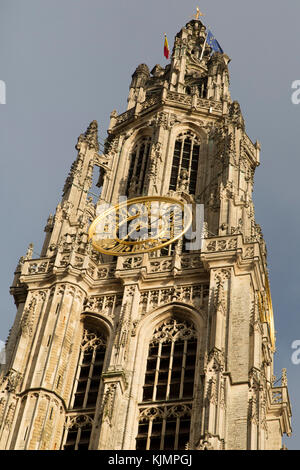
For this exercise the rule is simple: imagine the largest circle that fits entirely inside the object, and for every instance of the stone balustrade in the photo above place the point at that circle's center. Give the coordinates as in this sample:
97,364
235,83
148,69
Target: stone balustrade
170,97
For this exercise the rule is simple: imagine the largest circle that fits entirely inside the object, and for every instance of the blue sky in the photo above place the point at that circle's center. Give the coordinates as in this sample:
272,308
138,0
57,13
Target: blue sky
68,62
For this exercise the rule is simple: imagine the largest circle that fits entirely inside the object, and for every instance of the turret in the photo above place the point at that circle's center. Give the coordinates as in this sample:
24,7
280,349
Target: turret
137,86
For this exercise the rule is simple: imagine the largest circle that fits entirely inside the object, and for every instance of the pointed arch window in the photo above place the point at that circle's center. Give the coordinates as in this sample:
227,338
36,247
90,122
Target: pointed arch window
138,166
79,432
86,388
165,410
185,162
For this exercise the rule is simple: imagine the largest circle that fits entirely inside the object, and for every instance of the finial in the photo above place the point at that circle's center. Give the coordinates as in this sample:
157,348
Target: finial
198,13
284,378
29,251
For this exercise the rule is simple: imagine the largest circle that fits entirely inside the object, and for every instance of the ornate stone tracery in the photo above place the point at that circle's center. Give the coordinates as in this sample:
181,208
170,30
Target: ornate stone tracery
172,330
177,411
92,340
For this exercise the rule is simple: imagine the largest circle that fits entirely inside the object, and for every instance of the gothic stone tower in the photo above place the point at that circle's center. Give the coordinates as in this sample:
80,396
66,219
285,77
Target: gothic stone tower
165,350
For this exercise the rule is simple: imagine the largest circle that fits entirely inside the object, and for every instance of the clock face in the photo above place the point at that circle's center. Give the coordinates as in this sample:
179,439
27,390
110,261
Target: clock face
140,225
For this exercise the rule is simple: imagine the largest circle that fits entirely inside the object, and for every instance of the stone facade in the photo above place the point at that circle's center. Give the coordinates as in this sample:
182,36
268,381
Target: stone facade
78,309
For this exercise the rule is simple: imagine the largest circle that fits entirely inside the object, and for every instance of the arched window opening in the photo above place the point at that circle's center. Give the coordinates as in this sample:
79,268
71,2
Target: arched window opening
88,378
185,163
79,433
92,358
138,166
164,418
164,428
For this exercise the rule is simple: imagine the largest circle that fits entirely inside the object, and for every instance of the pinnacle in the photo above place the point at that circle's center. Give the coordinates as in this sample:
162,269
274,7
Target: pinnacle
91,135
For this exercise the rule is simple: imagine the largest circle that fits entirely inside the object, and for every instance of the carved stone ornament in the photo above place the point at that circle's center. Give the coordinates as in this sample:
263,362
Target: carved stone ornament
220,299
177,411
92,340
214,361
12,380
27,320
10,415
205,442
108,402
211,391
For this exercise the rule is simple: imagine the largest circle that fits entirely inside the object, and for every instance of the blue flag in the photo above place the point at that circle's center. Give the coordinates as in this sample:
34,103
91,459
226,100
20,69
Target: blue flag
213,43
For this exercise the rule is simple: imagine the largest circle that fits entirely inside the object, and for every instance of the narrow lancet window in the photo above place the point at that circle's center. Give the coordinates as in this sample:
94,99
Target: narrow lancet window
138,165
185,163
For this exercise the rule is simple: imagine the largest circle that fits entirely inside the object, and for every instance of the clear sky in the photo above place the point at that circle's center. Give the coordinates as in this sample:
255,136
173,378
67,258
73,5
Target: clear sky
68,62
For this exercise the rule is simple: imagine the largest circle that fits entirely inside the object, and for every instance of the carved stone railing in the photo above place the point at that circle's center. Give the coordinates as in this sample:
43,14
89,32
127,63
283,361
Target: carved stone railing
102,271
179,98
171,97
151,101
125,116
152,265
277,397
94,269
132,262
207,104
141,107
231,243
37,266
221,244
188,101
161,264
75,260
191,261
279,404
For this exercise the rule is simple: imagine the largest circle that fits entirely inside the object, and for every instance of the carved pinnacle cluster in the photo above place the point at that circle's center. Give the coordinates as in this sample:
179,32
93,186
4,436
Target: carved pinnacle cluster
91,136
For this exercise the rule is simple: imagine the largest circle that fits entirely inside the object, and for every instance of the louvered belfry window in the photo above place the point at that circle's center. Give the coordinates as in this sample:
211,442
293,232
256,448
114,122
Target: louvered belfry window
185,162
82,410
165,410
138,165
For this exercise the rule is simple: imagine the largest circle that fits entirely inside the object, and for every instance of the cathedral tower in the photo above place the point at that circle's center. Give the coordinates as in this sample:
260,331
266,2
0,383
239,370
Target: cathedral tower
171,349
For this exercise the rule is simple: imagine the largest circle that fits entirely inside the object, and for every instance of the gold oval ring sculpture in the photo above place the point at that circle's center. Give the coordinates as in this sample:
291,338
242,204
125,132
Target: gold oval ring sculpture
140,225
